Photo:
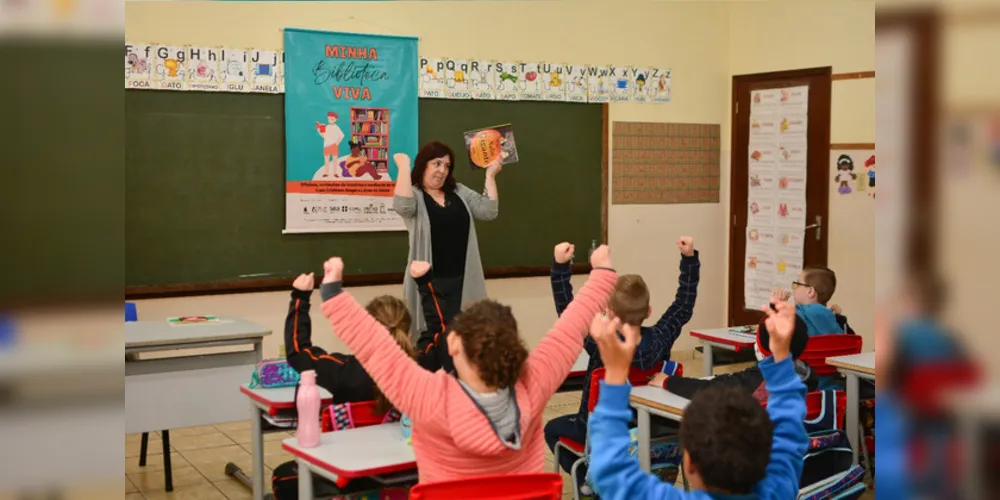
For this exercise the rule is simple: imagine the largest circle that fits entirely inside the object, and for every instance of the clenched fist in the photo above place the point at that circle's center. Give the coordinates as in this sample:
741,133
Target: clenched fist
305,282
333,270
564,252
686,245
601,257
419,268
402,161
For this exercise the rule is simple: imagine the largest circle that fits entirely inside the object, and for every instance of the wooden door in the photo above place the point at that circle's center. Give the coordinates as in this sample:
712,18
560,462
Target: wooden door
817,175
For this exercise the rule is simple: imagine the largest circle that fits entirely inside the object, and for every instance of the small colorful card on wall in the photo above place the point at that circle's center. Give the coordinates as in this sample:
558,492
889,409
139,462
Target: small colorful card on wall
487,144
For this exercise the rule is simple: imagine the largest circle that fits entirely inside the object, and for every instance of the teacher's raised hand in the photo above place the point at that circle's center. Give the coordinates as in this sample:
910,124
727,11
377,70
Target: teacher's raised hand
402,161
494,167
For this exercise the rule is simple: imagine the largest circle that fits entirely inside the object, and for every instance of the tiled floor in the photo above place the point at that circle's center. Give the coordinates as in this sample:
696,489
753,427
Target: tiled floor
199,456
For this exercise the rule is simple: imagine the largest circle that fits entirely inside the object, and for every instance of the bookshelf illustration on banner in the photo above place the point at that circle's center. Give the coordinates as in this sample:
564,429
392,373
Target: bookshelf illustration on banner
169,70
554,81
432,77
576,84
234,70
457,79
598,84
659,84
508,76
203,68
483,79
639,76
531,82
138,66
621,83
264,71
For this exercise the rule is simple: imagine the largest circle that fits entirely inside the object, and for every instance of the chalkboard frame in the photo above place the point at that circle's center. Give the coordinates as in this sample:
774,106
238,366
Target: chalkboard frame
373,279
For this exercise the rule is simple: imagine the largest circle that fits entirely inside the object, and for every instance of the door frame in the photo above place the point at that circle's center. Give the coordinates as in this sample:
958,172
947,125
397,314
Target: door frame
817,193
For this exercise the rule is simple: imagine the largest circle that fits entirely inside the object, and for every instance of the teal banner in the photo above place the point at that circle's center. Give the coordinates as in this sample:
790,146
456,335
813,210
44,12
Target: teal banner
350,104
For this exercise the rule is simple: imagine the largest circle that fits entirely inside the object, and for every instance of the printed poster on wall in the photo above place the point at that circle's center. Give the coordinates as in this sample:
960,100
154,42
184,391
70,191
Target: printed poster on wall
776,194
350,104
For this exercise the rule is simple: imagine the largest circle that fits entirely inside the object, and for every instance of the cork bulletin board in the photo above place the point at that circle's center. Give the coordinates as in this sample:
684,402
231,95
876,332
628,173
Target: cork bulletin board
662,163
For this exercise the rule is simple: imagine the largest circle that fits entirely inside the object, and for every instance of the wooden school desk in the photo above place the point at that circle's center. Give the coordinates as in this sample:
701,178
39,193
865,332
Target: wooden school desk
268,401
649,400
190,388
53,437
730,339
371,451
854,367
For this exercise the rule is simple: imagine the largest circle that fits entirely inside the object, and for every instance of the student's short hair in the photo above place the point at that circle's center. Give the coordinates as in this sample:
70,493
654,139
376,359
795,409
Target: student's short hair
823,280
727,435
630,299
491,341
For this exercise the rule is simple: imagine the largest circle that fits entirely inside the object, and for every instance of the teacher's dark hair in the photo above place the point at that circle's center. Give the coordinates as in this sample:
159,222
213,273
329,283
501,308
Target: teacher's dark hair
430,151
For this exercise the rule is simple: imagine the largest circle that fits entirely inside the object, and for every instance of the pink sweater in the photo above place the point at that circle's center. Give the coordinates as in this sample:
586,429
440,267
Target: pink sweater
452,438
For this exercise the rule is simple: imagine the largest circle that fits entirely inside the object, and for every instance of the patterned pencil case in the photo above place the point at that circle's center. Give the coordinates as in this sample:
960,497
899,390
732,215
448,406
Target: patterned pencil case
274,373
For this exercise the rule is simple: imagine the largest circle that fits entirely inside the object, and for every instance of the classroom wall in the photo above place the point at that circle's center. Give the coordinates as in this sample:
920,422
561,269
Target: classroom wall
782,35
704,42
691,38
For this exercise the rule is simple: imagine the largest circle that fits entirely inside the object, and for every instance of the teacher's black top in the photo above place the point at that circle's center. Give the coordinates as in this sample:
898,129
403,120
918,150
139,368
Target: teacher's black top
449,234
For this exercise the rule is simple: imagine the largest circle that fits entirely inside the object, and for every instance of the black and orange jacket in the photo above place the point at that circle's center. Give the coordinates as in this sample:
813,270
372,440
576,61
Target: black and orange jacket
432,345
341,374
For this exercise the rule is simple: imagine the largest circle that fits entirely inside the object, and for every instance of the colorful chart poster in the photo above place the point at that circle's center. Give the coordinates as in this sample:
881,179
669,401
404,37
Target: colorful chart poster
483,79
203,69
640,83
234,70
776,194
659,82
432,77
576,86
621,83
138,66
598,84
555,79
169,70
350,104
457,78
531,82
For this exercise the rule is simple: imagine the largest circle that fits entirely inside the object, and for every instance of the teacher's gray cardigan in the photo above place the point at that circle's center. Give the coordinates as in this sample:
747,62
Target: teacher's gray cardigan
414,213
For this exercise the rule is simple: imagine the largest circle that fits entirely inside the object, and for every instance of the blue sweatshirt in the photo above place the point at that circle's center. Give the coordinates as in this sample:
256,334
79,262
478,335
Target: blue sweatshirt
617,476
819,318
892,448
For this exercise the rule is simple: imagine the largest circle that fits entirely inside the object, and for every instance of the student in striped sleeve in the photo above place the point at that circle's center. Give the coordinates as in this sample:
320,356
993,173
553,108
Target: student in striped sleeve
653,348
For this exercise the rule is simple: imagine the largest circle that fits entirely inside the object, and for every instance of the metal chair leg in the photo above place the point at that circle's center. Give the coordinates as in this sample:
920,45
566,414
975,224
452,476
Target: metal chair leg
167,473
142,449
576,484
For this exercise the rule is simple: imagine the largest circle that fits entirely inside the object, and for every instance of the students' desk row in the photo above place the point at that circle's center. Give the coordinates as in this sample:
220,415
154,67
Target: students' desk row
731,339
854,367
374,451
188,388
268,401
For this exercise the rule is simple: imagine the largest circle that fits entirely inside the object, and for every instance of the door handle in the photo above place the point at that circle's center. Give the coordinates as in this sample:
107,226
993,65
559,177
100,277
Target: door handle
818,226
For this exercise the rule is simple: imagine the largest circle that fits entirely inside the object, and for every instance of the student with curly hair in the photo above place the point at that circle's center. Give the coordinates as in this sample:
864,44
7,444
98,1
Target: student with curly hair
487,418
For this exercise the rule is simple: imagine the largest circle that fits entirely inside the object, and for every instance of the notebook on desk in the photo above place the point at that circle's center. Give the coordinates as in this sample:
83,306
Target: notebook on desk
747,332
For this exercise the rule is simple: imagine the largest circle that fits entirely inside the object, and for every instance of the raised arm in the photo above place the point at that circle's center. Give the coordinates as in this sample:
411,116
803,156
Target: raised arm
491,179
481,207
431,344
562,272
551,360
302,355
660,338
786,406
403,201
412,389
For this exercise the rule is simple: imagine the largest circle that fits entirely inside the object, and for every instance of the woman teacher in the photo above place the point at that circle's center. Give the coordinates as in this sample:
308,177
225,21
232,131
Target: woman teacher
438,213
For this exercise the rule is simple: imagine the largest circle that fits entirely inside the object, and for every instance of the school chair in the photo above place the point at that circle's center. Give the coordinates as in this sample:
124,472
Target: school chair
541,486
822,347
579,450
132,314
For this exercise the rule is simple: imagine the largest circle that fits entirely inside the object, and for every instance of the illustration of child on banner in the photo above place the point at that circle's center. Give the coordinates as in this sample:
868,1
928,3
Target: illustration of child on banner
350,104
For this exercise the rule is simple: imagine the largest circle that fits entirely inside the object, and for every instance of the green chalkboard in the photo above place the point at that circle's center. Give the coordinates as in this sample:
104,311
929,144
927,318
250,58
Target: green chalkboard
205,189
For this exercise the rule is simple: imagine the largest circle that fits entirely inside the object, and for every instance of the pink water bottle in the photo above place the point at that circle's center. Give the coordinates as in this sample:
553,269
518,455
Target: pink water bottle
307,401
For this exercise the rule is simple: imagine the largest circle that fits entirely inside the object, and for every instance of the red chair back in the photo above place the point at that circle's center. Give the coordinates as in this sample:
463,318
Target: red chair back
822,347
362,414
543,486
635,377
923,387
